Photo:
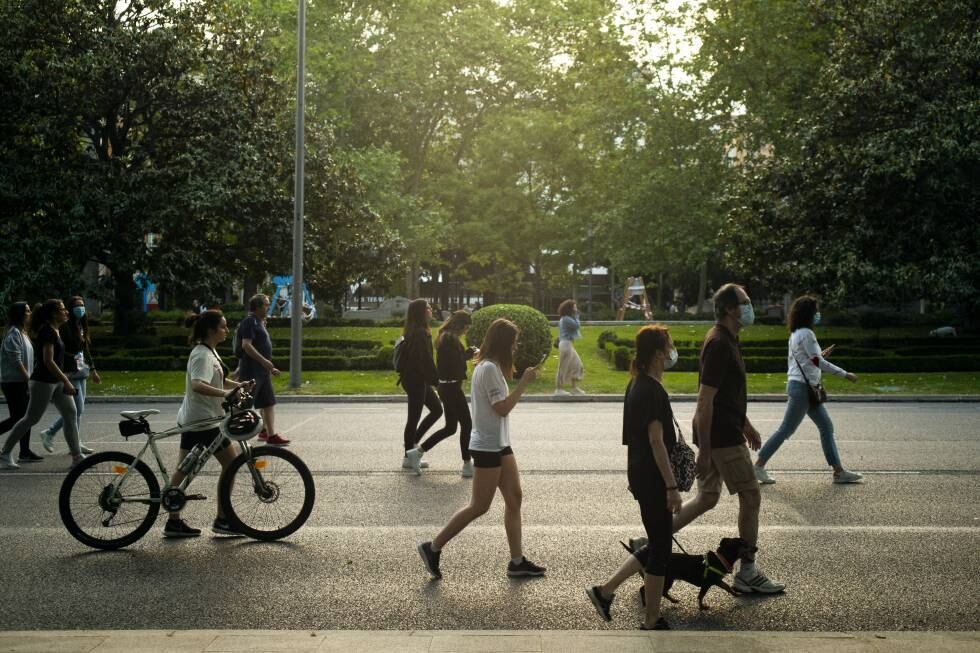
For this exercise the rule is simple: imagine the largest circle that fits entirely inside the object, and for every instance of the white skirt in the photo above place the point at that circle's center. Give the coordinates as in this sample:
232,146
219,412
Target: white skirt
569,364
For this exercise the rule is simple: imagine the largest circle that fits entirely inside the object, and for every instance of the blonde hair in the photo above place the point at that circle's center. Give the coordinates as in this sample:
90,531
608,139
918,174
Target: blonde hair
498,345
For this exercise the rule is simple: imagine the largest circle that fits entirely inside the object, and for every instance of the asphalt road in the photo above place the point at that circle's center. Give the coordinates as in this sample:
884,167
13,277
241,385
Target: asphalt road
901,551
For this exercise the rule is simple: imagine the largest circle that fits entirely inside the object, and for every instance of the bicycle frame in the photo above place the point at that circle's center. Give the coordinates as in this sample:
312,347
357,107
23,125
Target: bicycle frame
151,444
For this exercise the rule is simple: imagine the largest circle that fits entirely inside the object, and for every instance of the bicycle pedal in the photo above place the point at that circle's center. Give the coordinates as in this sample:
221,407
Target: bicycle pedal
195,497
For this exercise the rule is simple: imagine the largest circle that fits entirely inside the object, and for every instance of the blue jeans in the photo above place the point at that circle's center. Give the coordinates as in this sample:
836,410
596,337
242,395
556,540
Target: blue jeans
80,386
797,406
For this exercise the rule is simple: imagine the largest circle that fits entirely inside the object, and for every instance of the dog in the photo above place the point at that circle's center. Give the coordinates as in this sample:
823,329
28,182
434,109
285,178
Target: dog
943,332
703,571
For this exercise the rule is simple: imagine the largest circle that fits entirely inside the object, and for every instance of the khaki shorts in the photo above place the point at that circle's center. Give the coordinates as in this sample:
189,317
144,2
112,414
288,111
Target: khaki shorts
732,465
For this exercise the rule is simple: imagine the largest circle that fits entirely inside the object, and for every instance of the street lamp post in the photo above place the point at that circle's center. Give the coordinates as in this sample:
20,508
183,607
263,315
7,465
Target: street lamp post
296,305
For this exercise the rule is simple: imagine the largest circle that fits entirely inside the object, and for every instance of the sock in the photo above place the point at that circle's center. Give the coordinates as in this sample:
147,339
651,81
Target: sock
748,568
517,561
435,549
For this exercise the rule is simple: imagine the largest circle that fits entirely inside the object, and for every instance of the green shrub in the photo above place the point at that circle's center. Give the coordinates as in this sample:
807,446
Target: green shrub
534,340
622,357
606,336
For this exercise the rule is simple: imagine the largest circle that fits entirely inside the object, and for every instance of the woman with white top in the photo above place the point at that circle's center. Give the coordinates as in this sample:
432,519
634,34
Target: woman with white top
205,389
806,364
495,466
570,368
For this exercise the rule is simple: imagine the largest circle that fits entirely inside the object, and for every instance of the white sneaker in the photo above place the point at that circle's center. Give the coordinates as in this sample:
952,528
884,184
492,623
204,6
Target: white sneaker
7,461
762,475
847,476
47,440
407,464
578,391
562,393
77,461
467,469
85,449
757,583
414,457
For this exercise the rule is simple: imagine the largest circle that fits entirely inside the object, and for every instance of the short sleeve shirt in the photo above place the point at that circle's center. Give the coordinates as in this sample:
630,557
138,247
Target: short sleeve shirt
722,367
491,432
251,328
646,402
46,335
204,364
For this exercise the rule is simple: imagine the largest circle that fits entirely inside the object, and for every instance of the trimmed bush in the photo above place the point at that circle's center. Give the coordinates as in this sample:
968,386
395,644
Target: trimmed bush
622,357
534,340
606,336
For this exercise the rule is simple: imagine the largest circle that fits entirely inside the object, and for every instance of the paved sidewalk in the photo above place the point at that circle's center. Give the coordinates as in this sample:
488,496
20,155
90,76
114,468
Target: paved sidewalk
352,641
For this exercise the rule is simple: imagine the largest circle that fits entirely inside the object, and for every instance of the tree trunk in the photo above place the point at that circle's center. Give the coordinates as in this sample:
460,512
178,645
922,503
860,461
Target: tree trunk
660,292
124,291
702,287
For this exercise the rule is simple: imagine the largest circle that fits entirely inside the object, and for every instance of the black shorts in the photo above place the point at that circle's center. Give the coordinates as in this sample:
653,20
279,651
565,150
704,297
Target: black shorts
204,438
263,395
490,458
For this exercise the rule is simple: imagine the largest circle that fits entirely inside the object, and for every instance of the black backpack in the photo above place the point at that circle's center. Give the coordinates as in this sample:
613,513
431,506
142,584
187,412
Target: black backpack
237,342
397,357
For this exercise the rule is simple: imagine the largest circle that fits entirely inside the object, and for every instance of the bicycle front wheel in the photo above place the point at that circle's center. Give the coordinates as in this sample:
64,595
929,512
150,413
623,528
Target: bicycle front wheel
275,501
102,509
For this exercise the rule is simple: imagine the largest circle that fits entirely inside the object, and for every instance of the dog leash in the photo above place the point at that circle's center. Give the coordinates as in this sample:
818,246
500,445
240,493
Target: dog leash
678,544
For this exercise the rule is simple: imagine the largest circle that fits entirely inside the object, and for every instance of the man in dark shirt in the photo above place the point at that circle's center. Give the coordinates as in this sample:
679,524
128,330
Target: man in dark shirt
722,429
256,364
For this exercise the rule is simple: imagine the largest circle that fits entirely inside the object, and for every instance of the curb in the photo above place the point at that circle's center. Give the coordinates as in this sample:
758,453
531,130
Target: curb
541,399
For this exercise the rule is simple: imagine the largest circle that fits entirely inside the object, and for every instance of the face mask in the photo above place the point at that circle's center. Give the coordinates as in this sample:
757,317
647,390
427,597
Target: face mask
747,317
671,359
816,319
78,311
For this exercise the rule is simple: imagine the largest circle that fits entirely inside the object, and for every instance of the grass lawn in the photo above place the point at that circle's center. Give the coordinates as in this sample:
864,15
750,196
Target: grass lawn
600,375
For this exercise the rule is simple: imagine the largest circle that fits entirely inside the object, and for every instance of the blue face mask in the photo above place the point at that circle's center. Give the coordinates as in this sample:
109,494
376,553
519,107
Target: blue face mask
747,316
78,311
671,359
816,319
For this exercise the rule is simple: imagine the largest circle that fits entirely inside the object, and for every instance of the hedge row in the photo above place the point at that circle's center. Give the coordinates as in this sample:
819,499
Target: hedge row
770,364
381,360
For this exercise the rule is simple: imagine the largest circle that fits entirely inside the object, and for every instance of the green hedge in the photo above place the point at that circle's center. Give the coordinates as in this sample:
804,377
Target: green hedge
534,340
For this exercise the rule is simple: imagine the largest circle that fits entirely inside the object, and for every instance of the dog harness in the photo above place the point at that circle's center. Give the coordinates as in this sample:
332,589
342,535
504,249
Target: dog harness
709,568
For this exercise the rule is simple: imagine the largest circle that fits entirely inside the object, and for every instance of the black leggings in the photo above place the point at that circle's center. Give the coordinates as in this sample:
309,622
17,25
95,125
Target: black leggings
18,397
457,413
659,525
420,393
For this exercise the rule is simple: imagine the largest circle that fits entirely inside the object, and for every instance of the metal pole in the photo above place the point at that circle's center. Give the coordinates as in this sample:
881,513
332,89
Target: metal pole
296,305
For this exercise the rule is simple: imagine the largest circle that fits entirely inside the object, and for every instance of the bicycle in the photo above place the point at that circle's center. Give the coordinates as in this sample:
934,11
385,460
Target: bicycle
111,499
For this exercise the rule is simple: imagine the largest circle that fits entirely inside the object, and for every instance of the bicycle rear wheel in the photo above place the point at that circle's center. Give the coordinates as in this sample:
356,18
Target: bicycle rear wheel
104,517
274,508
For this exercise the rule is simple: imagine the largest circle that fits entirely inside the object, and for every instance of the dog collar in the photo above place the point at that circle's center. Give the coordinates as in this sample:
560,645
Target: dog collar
728,565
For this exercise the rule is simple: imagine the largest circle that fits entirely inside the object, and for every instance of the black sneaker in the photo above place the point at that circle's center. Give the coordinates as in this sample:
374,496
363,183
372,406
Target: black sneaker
601,603
525,568
179,528
29,457
660,625
430,558
224,527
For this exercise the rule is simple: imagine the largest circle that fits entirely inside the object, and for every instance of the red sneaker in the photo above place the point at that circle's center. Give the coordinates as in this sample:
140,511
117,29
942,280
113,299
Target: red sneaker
277,440
263,435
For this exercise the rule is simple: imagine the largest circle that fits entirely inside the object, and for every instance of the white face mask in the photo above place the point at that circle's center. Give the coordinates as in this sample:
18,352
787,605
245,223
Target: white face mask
747,317
816,319
671,359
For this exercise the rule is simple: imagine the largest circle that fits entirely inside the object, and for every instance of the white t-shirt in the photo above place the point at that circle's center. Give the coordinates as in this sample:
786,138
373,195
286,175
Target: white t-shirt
205,365
805,350
491,432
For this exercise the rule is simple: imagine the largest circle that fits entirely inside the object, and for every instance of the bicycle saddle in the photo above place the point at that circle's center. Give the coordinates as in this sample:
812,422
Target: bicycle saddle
136,414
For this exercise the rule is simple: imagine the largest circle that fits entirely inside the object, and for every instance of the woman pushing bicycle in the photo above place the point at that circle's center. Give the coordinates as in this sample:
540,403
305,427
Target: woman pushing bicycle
205,389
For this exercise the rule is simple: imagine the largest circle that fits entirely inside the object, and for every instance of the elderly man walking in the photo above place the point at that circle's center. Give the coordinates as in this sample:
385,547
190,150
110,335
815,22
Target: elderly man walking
256,364
722,430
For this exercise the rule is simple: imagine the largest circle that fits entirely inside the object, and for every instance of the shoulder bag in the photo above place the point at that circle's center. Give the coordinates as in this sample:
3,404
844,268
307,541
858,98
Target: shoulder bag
682,461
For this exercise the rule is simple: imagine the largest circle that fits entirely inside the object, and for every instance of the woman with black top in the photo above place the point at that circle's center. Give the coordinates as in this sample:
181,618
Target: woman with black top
451,365
48,384
417,376
648,431
78,366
